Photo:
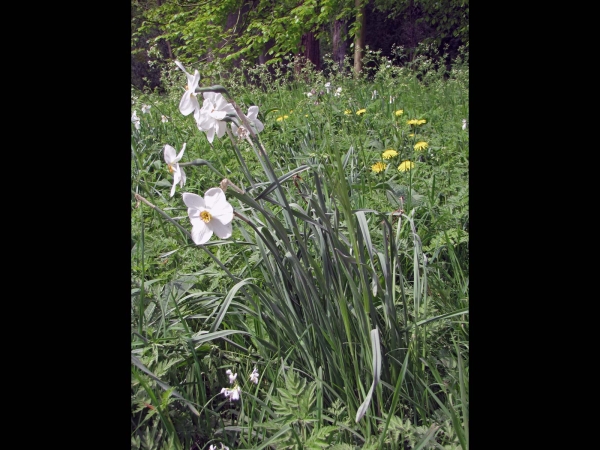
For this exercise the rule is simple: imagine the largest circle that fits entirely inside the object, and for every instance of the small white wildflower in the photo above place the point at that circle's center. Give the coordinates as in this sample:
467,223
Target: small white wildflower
135,120
235,393
387,67
328,86
464,124
231,376
225,392
164,118
309,94
338,92
254,376
374,95
146,109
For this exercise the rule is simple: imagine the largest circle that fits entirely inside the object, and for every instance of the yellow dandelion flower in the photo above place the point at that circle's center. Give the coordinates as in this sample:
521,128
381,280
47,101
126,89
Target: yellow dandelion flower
389,153
399,112
421,145
421,121
412,121
305,115
406,165
411,135
280,118
361,111
347,112
378,167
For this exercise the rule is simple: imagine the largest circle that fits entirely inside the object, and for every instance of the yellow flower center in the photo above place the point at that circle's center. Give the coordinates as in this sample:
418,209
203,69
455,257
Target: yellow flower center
170,166
205,216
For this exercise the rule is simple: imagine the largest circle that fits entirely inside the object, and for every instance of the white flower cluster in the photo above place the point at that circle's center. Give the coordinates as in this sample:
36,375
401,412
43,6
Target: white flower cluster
234,393
210,117
211,214
214,447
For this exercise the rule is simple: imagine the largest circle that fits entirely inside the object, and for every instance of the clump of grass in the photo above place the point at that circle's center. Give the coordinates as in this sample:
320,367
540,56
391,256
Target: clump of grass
345,287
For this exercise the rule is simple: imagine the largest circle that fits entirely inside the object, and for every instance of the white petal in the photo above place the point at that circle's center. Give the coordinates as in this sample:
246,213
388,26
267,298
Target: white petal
176,174
180,153
193,201
252,113
221,101
188,103
195,80
169,154
213,197
173,188
220,229
234,129
222,212
210,134
178,63
183,178
221,128
201,119
219,207
201,233
218,115
259,125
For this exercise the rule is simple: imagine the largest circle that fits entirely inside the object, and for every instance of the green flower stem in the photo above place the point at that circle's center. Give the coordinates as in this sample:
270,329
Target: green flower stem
240,159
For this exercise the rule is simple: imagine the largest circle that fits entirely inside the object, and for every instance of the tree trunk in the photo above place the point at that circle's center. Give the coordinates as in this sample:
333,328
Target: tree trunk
310,51
359,38
339,42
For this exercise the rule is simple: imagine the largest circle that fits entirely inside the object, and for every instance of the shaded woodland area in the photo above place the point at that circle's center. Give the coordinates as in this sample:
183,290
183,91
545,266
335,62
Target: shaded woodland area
385,29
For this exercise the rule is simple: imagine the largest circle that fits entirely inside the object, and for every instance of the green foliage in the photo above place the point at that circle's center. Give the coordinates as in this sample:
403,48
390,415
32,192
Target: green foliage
450,17
323,251
295,410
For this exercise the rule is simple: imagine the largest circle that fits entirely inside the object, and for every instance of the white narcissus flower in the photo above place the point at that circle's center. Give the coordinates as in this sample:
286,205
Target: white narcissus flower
210,117
172,161
231,376
208,215
146,109
252,117
135,120
189,102
254,376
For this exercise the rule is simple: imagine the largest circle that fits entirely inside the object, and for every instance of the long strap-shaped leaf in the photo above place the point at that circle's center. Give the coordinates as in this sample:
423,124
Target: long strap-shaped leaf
376,373
283,178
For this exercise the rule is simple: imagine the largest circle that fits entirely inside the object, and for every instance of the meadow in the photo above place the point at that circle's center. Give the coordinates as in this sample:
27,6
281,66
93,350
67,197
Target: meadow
300,257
